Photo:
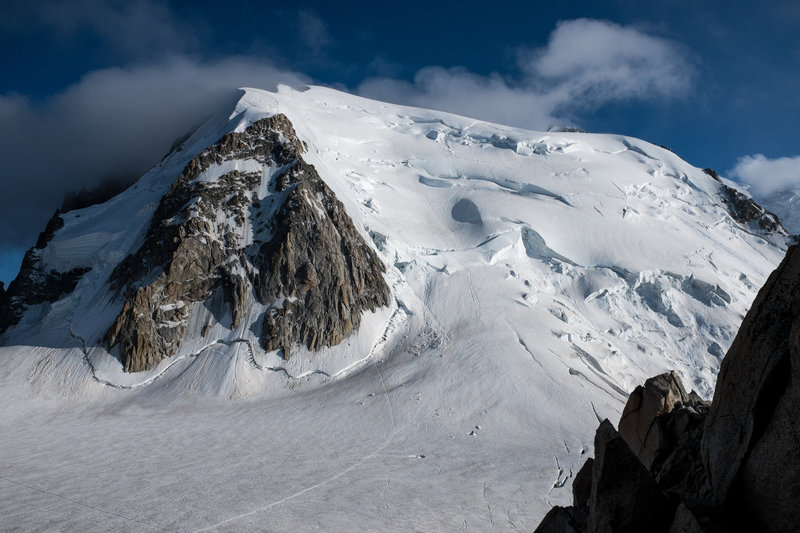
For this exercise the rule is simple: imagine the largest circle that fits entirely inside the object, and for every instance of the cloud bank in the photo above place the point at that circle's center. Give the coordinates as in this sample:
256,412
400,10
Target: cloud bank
767,176
586,64
116,121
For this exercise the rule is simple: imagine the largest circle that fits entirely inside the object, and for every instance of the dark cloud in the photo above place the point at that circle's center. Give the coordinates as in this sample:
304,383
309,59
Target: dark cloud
114,121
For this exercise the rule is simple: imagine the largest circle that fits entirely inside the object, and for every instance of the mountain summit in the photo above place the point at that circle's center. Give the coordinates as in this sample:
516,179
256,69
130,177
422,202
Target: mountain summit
275,231
442,298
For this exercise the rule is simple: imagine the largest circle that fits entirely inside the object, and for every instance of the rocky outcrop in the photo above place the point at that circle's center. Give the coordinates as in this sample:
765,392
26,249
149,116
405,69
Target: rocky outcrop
301,257
728,467
35,284
641,467
190,206
750,445
662,424
641,425
317,265
619,483
745,210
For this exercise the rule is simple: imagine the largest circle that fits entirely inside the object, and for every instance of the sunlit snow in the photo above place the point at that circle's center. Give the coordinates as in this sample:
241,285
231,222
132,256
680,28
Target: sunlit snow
536,277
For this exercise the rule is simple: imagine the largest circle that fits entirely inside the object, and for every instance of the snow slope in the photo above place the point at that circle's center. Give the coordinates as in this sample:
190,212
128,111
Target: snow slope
537,278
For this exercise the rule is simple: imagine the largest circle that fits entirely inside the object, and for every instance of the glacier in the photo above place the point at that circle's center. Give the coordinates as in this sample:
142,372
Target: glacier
536,279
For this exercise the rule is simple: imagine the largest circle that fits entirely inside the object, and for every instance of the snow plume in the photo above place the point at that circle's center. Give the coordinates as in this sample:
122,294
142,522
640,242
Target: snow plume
767,176
586,63
115,121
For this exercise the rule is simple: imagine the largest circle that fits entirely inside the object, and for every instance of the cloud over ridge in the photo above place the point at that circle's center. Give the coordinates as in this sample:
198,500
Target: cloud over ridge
121,120
586,63
114,121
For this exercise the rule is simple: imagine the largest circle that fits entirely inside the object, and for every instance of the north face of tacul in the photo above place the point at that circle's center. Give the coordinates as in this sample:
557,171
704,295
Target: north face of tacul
247,216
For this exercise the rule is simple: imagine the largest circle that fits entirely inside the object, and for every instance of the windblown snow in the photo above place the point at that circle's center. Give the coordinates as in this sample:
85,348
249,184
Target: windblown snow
537,278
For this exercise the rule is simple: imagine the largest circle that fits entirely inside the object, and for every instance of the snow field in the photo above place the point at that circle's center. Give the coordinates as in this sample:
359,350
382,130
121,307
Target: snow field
537,279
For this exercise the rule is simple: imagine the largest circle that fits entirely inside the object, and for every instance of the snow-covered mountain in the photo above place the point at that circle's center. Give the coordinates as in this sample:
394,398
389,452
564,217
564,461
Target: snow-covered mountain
785,204
323,310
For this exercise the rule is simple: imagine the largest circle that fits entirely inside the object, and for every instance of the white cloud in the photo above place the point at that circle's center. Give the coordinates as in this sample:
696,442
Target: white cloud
604,61
767,176
460,91
586,63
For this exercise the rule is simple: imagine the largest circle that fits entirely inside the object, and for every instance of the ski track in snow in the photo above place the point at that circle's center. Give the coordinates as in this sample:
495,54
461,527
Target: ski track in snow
324,482
87,506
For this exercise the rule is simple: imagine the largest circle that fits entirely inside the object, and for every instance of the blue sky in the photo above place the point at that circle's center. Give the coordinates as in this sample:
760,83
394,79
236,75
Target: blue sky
92,89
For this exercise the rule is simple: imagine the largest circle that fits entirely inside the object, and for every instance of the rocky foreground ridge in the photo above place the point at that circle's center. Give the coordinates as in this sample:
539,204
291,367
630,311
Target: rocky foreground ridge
679,464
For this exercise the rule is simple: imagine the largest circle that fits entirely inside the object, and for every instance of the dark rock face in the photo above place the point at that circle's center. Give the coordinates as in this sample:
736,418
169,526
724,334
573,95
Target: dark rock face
35,284
728,467
307,262
178,218
582,484
650,423
620,483
53,225
684,521
560,520
745,210
319,264
752,437
662,424
648,476
605,490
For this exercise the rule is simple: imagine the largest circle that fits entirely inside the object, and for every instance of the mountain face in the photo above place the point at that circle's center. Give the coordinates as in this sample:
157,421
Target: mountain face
306,262
442,288
680,464
744,209
751,432
35,283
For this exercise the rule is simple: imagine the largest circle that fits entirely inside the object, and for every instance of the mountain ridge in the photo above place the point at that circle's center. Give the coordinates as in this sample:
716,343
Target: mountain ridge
532,279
